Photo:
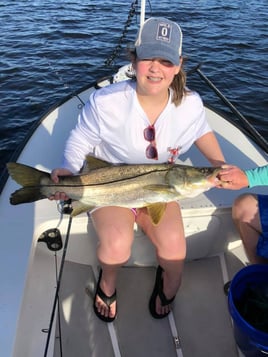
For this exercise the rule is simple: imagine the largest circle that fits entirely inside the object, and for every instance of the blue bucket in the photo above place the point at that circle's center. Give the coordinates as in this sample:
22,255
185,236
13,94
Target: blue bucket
253,342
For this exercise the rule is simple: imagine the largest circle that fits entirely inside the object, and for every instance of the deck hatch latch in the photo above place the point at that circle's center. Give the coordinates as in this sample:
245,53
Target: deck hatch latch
52,238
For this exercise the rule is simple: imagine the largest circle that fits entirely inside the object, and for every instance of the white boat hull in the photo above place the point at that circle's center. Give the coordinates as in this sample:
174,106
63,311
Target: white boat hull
28,268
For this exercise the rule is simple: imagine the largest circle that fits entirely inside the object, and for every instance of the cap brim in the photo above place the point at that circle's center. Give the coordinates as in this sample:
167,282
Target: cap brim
149,52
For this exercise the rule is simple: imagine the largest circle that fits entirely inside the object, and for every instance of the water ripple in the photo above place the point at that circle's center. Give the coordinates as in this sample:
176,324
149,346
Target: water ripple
56,47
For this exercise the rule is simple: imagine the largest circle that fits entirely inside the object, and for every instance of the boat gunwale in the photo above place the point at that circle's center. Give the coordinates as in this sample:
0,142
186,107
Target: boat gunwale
17,152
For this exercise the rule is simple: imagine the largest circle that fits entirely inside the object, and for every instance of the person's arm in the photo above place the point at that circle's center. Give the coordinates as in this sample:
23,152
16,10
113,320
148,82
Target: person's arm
257,176
83,138
210,148
234,178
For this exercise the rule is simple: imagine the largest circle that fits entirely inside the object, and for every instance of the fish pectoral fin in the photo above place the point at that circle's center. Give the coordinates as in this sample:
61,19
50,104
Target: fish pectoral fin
160,188
79,207
156,212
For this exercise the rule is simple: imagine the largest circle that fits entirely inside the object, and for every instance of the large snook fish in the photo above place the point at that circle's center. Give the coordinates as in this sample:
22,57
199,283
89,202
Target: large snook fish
151,185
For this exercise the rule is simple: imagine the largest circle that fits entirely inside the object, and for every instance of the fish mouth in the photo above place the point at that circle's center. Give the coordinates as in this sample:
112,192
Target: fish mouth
212,179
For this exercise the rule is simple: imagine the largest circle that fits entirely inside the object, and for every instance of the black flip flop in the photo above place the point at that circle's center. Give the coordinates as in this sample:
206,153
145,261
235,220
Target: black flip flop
108,300
158,291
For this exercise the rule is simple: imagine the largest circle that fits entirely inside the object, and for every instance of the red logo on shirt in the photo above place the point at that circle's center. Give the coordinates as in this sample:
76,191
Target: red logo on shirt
173,154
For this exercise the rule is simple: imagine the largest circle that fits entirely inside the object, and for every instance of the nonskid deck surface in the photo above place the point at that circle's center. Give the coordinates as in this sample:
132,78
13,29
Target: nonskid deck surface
202,321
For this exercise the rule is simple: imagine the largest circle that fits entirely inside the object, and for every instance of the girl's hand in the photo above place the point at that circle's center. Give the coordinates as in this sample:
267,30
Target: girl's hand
55,174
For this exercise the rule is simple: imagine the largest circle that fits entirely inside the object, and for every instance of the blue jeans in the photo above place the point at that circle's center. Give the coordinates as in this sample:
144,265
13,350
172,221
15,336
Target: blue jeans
262,246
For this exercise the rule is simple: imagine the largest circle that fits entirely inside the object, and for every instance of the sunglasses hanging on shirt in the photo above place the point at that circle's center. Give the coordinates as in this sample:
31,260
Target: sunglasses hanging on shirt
149,135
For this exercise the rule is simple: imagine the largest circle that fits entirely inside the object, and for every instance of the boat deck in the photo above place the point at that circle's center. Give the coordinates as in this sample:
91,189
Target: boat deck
200,319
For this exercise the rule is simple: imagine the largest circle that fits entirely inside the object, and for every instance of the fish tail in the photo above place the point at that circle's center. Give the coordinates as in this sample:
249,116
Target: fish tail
29,178
25,195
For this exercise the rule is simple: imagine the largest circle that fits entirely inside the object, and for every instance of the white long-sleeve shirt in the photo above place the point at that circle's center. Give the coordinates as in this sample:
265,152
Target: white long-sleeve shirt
112,123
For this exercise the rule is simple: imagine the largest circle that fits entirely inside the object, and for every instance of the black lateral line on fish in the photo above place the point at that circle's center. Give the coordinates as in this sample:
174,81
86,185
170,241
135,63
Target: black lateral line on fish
60,184
115,180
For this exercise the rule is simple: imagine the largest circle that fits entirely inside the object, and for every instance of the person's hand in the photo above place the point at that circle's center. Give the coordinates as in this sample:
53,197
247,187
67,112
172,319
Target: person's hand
232,177
55,174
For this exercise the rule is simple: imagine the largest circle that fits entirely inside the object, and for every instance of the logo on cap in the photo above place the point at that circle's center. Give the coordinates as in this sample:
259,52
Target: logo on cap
164,32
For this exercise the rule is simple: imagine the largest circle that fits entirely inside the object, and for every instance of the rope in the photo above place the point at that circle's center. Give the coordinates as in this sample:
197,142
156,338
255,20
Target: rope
110,61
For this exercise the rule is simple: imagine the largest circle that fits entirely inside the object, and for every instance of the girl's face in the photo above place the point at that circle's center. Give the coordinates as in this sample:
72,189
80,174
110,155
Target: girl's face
154,76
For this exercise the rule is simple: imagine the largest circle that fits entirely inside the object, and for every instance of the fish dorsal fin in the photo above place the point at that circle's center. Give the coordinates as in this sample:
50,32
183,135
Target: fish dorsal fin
156,212
92,163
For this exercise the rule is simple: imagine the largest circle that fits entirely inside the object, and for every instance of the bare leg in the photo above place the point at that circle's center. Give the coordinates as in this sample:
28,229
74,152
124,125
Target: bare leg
247,220
168,238
114,226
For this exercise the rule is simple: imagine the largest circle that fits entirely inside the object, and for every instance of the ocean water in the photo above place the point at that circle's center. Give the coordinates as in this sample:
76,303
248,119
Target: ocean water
49,49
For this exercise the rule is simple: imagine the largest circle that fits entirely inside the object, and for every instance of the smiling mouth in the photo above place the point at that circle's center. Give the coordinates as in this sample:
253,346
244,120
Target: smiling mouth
154,79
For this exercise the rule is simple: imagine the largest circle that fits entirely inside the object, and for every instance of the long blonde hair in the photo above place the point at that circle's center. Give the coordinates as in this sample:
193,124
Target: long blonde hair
178,84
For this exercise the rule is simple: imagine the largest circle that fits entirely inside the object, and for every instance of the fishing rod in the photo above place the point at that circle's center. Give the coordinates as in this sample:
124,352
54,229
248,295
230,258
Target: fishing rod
250,129
56,298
